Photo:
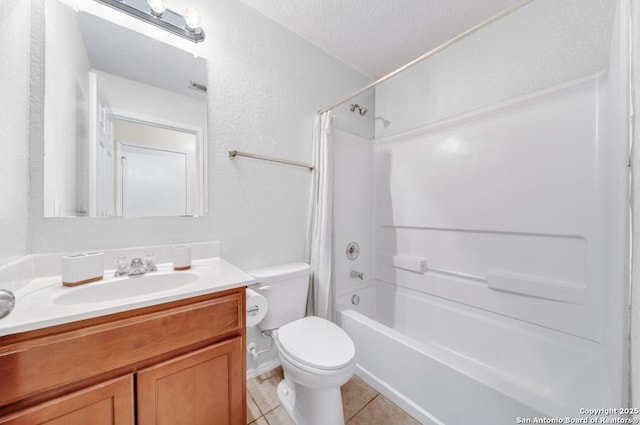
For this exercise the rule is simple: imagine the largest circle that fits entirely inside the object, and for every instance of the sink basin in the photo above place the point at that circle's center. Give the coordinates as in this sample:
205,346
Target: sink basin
125,287
43,301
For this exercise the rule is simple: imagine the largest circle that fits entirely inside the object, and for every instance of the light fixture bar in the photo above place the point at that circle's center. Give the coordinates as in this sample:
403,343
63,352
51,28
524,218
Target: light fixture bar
169,20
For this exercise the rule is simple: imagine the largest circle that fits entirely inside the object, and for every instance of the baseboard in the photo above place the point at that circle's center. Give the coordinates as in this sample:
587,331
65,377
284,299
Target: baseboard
263,368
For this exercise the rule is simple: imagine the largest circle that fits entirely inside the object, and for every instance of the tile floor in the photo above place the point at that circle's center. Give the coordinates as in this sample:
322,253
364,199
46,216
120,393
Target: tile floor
362,404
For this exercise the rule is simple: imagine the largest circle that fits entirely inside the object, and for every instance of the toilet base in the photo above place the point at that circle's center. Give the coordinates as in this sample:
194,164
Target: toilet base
311,406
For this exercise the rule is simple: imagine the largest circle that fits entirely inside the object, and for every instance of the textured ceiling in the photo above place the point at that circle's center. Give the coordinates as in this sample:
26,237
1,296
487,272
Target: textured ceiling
129,54
375,37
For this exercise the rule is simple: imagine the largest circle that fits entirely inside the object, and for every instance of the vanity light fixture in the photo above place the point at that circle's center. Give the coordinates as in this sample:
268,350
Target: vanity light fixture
158,7
192,19
156,12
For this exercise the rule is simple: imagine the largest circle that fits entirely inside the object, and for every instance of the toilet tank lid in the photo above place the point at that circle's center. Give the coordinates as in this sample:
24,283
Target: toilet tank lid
280,272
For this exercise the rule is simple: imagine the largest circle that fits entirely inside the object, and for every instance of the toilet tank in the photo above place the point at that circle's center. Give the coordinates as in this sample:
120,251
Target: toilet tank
286,288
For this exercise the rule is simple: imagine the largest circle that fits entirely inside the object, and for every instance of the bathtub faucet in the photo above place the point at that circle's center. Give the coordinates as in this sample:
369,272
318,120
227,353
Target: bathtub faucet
357,275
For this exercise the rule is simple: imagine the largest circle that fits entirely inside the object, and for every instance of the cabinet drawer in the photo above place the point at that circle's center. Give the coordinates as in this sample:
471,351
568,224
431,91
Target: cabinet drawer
45,363
109,403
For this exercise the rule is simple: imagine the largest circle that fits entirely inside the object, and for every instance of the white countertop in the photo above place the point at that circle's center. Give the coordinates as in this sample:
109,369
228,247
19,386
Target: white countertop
35,306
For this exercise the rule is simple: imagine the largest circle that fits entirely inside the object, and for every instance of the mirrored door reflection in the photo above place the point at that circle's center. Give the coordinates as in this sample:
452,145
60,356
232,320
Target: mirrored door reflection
155,170
153,182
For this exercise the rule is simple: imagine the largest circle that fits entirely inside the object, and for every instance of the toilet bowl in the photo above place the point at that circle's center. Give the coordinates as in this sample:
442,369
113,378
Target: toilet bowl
317,356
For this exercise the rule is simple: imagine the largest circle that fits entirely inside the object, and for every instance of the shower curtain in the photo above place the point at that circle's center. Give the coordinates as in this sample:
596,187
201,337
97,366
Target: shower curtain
320,224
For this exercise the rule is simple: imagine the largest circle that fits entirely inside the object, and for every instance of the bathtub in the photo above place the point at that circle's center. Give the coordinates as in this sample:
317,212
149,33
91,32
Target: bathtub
447,363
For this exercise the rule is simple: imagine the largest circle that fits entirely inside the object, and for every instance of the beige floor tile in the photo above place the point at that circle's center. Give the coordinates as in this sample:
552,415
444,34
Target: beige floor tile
253,412
263,390
260,421
355,395
382,412
277,371
279,416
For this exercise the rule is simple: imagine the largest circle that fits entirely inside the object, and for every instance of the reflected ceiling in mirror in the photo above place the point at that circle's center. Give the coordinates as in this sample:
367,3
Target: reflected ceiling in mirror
125,121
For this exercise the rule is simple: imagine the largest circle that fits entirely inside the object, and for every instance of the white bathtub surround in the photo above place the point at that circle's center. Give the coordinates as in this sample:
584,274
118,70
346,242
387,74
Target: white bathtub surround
320,231
352,212
521,238
519,210
406,262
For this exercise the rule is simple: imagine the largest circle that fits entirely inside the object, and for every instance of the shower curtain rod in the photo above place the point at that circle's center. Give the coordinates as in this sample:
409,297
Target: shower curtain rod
430,53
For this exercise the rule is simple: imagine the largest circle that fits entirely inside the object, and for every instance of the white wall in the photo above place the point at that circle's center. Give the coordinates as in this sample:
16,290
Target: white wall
543,44
265,85
135,98
66,120
14,128
263,101
635,288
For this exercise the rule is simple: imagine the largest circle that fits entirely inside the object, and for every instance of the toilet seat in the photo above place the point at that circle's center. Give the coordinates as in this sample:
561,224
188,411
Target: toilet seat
316,344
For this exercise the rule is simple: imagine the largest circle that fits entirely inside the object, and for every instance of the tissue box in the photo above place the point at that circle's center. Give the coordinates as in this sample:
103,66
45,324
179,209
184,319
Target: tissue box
82,268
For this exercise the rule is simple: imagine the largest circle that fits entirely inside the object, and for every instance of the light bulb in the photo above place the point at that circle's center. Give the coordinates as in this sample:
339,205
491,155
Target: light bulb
158,6
192,19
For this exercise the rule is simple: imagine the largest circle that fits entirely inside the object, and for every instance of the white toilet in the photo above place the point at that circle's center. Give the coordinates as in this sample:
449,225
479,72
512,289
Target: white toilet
316,355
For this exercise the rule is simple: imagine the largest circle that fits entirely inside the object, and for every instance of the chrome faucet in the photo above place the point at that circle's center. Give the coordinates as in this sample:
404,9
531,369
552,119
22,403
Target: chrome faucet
122,266
137,267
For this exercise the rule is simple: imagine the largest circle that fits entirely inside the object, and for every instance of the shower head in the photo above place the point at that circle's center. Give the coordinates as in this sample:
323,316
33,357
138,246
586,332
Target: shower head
361,109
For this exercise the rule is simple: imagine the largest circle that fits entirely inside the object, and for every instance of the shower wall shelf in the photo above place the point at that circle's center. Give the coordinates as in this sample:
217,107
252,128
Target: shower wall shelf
234,153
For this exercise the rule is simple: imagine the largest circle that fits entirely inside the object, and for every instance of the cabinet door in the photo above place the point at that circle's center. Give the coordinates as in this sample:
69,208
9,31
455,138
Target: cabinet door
109,403
204,387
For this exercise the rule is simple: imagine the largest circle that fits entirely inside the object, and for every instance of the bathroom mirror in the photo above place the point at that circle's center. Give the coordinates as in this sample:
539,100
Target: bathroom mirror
124,121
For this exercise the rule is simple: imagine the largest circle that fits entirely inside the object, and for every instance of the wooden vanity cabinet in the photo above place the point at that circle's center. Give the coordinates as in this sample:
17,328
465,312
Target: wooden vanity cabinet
109,403
178,363
195,389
